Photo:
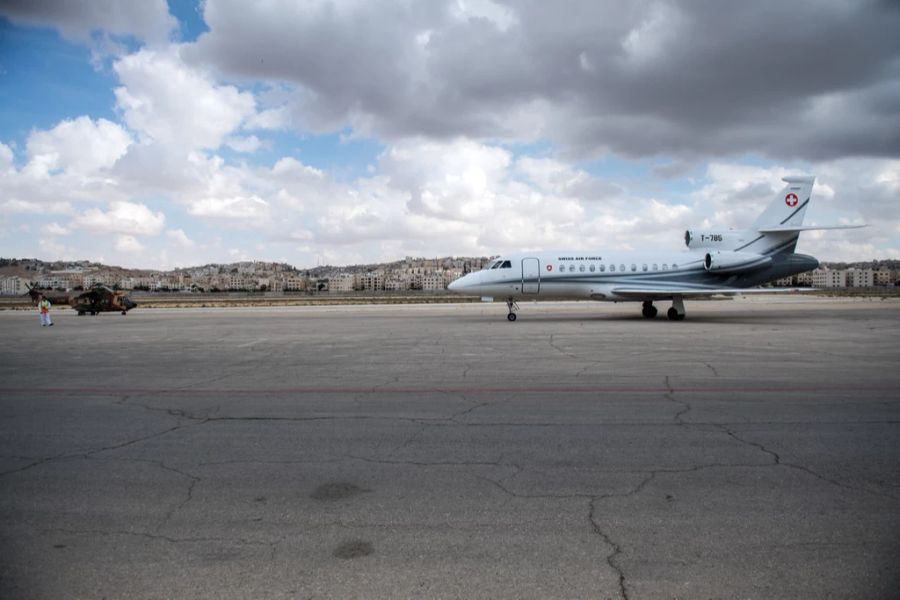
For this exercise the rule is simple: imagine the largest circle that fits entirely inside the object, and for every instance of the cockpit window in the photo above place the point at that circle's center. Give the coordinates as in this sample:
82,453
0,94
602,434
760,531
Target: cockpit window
506,265
493,264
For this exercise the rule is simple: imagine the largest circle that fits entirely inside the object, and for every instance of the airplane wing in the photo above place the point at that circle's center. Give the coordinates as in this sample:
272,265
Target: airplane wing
665,293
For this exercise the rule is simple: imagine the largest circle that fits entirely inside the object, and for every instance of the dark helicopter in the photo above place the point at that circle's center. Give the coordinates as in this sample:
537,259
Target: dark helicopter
99,298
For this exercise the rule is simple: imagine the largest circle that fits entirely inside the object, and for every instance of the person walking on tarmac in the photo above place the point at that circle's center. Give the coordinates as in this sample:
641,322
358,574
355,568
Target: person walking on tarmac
44,308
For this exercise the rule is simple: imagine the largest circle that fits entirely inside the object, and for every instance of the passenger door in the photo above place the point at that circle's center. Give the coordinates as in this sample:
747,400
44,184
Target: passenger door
531,276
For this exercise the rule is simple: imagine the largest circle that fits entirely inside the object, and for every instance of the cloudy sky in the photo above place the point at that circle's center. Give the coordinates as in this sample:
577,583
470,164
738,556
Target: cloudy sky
154,134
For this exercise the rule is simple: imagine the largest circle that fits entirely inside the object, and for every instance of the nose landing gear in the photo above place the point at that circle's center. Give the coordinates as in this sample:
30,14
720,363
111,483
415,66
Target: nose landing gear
512,307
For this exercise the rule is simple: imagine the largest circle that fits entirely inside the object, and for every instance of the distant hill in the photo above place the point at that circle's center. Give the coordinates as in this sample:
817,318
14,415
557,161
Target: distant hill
32,268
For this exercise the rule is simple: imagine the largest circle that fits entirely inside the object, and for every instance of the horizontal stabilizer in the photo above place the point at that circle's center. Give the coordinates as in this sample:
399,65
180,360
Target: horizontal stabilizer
793,228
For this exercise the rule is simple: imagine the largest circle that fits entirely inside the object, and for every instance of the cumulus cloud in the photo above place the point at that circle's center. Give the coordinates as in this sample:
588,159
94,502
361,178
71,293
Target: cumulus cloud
243,208
53,250
80,146
16,206
555,176
54,229
122,217
6,158
179,238
456,180
170,103
73,162
429,198
464,197
249,143
128,244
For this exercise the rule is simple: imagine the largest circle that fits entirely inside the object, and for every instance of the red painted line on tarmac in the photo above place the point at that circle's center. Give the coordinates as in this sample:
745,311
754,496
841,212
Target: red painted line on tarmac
106,391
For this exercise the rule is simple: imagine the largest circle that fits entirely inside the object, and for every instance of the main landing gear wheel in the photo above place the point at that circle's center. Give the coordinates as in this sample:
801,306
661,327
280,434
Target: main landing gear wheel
512,307
674,315
649,311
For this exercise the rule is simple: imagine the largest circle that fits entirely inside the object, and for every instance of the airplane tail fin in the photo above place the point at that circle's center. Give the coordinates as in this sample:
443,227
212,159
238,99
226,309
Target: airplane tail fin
788,207
775,232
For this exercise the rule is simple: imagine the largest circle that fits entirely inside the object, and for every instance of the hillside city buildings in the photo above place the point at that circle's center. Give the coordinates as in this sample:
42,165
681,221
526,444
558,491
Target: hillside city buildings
410,274
852,277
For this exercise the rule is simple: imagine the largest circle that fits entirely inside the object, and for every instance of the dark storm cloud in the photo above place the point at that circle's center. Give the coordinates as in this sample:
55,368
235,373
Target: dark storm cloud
148,20
810,80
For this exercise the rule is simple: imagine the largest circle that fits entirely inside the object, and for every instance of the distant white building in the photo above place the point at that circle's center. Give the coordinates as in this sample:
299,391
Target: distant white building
860,277
295,284
433,282
395,283
54,282
237,282
89,280
371,281
885,277
341,282
13,286
827,278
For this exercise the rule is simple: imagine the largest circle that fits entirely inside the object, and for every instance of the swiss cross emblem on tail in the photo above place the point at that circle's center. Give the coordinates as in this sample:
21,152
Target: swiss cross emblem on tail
791,199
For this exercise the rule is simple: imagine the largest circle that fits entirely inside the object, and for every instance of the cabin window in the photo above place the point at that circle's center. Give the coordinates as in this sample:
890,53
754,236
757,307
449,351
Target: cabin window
560,268
581,268
612,268
592,268
643,267
506,265
655,268
674,266
665,267
571,268
622,268
602,267
633,267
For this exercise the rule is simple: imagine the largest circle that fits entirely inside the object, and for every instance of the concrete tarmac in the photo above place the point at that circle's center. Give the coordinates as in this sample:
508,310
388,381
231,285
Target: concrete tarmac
751,451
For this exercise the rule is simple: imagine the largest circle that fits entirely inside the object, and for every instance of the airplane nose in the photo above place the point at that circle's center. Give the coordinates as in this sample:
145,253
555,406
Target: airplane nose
467,284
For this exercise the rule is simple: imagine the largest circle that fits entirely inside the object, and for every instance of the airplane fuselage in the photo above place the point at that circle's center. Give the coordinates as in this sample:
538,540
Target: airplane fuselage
597,275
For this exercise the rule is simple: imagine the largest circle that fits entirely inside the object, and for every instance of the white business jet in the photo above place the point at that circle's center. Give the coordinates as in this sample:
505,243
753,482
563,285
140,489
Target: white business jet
726,262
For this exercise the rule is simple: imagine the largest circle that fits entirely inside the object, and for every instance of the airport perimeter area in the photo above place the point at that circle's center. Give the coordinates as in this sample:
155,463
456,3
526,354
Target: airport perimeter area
439,451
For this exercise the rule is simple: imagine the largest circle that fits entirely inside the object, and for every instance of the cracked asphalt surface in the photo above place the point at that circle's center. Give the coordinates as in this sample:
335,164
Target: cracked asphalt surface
751,451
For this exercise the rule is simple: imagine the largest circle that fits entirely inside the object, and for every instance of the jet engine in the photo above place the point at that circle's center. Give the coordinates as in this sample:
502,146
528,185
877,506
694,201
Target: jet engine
734,262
